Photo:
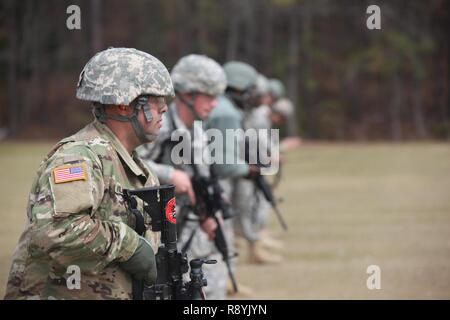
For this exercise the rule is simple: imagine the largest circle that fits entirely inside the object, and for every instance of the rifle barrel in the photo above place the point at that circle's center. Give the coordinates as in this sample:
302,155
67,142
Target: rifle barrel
231,275
280,218
264,187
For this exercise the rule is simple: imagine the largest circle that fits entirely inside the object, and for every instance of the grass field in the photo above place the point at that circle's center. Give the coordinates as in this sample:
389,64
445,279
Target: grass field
348,206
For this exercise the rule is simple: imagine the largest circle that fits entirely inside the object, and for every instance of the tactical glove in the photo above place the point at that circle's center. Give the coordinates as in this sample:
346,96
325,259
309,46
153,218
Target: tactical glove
142,264
254,171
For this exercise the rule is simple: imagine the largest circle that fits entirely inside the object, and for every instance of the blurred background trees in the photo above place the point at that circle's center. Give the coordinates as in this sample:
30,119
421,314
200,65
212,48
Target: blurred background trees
348,82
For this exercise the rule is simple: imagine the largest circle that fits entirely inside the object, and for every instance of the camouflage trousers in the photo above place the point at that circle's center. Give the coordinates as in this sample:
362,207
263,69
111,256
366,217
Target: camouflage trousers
251,209
202,248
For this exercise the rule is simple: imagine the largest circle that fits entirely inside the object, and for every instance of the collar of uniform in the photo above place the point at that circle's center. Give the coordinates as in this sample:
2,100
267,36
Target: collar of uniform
198,138
176,117
120,149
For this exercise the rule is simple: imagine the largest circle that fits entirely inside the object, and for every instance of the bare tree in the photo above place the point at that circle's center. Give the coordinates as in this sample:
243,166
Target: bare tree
13,103
395,107
293,55
249,27
267,37
96,22
233,29
306,60
184,28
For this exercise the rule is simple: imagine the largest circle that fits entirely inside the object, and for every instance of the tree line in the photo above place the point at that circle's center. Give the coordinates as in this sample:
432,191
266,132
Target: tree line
346,81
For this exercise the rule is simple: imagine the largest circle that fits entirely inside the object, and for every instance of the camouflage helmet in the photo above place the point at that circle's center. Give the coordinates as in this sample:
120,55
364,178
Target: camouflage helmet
240,75
262,85
198,73
120,75
276,88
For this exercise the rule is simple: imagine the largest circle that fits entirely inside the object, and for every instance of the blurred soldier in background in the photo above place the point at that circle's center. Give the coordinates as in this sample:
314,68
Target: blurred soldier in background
77,217
229,114
259,209
284,115
198,81
251,206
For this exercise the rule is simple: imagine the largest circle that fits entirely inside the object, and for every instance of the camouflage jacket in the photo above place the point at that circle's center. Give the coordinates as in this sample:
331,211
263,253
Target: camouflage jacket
226,115
77,217
259,118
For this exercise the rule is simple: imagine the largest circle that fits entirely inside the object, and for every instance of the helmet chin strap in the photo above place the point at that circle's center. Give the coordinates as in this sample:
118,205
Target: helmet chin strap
242,100
190,104
141,103
237,98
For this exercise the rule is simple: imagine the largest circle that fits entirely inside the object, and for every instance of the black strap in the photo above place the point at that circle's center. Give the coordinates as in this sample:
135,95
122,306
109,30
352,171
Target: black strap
139,218
189,104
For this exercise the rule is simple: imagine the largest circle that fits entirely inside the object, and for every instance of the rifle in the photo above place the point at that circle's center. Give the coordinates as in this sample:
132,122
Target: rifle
263,186
278,177
210,200
159,203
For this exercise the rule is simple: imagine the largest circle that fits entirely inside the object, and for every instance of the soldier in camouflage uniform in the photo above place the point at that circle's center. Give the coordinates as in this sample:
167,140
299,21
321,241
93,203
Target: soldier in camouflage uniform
76,213
283,115
251,207
197,80
229,114
260,118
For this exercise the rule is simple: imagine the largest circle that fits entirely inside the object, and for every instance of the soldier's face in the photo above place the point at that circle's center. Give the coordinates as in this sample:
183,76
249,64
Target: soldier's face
158,106
204,104
266,100
276,118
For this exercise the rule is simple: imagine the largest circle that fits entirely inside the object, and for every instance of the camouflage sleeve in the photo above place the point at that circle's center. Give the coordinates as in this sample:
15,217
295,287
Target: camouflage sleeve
259,120
229,151
64,227
162,171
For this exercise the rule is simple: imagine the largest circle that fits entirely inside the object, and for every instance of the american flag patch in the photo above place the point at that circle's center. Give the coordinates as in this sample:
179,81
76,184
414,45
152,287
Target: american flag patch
70,173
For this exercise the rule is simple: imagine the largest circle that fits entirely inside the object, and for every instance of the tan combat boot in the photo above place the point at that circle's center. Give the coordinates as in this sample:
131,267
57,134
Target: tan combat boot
270,243
257,255
239,242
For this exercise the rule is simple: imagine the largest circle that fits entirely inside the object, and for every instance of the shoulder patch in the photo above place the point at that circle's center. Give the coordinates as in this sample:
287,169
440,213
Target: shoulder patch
98,141
69,173
72,158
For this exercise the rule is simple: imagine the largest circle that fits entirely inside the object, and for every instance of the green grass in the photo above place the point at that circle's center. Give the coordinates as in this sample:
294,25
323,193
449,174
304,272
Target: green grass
350,206
347,205
18,165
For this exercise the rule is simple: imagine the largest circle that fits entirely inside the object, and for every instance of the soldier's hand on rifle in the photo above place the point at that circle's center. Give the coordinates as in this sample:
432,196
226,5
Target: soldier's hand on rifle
253,172
209,226
142,264
183,184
